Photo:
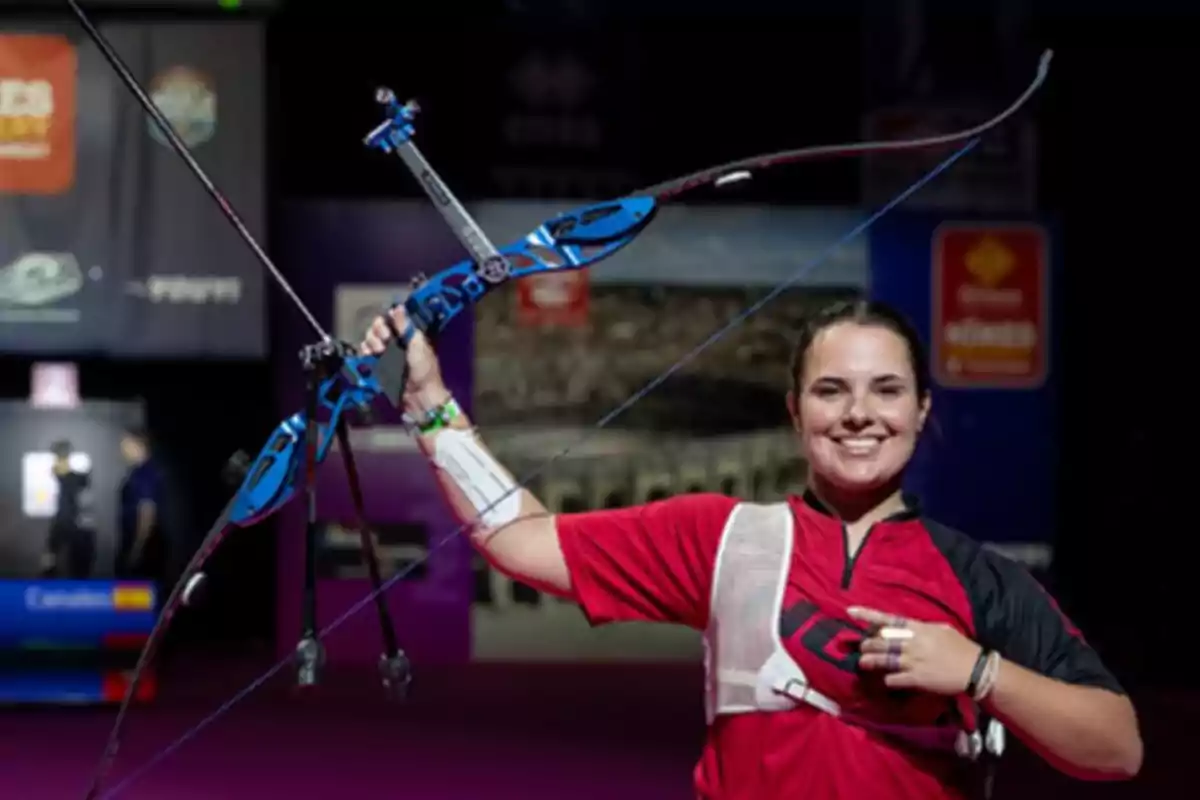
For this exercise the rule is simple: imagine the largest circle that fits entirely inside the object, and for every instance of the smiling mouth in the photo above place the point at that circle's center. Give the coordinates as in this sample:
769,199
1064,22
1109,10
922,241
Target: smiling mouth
859,445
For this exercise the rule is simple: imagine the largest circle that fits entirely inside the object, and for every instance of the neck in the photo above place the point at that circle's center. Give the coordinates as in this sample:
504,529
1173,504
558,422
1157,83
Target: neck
851,507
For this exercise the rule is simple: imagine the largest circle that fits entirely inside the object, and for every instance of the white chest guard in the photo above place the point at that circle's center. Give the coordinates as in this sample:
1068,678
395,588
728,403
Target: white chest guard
747,668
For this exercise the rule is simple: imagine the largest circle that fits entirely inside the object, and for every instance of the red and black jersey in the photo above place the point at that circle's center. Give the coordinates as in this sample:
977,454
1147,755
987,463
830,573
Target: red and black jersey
655,563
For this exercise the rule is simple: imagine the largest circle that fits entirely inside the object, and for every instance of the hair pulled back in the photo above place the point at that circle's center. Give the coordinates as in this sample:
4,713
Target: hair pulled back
871,313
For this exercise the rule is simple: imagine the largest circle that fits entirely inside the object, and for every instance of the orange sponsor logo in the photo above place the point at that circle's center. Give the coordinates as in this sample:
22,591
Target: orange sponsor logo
990,305
37,114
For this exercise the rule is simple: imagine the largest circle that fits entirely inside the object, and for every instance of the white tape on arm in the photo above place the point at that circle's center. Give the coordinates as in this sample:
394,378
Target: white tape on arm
479,476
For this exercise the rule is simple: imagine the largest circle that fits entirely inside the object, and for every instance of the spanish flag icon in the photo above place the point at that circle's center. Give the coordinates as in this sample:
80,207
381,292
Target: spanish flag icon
133,597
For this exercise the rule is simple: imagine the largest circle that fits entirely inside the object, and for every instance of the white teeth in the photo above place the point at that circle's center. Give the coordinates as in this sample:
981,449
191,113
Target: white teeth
859,444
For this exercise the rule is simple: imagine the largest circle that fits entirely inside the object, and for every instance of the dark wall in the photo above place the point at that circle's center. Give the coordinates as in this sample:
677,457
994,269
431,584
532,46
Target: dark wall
1120,162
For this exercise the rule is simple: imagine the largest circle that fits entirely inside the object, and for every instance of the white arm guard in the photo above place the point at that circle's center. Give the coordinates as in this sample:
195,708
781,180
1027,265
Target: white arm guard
495,496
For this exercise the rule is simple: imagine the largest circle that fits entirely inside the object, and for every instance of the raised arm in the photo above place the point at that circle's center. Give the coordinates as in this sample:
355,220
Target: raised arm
509,526
650,562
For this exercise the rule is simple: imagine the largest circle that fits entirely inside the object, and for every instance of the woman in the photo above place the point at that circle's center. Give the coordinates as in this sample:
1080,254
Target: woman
850,642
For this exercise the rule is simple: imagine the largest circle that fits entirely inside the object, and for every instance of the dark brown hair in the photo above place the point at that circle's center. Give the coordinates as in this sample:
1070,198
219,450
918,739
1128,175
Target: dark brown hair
871,313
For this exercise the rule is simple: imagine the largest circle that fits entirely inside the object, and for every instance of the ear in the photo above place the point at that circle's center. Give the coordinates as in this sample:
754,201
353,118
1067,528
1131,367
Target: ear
923,414
793,407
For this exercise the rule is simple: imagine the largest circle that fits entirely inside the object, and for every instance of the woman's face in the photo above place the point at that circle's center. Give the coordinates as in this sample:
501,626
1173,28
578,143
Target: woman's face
858,412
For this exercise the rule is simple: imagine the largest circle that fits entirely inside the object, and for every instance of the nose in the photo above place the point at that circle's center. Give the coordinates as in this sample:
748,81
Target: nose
858,412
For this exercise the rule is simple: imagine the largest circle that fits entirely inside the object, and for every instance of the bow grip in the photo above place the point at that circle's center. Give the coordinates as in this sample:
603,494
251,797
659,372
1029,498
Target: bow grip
391,366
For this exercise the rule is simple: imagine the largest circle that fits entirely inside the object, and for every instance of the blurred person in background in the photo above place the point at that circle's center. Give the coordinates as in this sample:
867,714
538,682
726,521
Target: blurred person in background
71,545
141,544
854,648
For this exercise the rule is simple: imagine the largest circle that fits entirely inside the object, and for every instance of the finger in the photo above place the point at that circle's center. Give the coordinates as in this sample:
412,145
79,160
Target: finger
872,662
380,330
879,644
875,617
882,662
872,645
371,345
399,317
900,680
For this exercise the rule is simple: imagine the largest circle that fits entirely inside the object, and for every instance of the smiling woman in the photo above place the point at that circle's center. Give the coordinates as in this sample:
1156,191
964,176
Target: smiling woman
855,648
859,401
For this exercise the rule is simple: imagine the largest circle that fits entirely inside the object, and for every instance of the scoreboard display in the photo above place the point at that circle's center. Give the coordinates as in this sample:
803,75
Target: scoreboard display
73,642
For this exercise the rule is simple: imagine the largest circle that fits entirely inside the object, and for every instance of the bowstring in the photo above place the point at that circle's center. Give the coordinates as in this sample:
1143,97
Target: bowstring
632,400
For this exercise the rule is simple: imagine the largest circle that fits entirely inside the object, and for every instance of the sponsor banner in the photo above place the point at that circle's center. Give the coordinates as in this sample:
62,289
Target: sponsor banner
990,306
73,641
37,114
108,243
82,612
351,260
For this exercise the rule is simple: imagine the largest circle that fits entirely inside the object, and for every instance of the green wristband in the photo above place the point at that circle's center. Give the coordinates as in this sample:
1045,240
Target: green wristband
439,417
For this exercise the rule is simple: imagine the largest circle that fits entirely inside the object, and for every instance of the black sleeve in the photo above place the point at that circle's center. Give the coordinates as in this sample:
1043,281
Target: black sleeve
1017,617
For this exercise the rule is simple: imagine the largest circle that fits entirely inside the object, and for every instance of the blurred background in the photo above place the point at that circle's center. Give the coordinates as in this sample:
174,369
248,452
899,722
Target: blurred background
143,344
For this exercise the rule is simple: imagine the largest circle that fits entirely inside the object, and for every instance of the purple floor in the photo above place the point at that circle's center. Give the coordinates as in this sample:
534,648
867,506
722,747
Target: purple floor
512,732
465,734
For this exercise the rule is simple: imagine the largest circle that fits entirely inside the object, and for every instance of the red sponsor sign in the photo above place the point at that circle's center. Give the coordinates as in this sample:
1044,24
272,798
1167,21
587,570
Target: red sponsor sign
37,114
553,298
990,305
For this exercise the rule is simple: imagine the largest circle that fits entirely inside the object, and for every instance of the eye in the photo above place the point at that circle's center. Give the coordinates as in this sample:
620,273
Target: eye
891,390
826,390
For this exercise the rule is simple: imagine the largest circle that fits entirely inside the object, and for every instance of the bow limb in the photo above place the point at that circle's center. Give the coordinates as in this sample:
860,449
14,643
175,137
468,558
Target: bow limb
737,170
182,589
273,467
271,480
585,236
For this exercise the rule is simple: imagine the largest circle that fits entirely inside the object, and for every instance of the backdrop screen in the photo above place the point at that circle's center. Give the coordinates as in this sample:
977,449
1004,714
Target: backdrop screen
108,244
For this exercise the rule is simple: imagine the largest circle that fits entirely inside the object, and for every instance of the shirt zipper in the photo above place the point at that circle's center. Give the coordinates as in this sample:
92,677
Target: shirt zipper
851,560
